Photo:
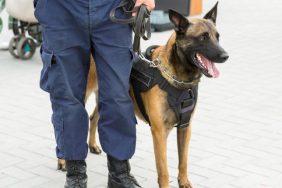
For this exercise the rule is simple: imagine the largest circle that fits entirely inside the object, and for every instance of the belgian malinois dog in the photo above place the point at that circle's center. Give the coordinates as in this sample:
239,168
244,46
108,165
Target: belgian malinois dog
191,51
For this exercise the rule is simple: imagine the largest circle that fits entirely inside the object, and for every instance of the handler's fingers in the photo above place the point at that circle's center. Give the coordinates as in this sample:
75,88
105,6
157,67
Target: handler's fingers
137,4
150,4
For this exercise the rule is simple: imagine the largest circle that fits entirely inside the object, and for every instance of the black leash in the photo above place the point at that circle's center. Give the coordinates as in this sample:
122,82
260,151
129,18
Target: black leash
140,23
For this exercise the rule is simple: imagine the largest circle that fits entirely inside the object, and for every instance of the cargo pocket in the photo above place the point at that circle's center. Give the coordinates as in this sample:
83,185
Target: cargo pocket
52,77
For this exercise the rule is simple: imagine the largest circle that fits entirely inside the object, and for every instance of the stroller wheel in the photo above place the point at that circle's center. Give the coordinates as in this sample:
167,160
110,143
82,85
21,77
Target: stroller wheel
13,46
26,48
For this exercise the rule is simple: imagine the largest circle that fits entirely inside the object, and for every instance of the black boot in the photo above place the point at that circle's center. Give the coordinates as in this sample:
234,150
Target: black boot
76,174
119,174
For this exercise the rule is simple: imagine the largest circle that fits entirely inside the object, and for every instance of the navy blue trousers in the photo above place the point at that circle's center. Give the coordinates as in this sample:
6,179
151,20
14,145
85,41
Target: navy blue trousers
72,30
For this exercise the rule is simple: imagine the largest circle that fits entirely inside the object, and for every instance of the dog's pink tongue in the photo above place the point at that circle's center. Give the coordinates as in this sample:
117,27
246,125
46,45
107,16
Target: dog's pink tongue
213,71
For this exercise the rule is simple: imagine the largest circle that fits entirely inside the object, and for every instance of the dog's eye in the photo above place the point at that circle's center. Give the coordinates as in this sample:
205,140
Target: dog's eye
204,37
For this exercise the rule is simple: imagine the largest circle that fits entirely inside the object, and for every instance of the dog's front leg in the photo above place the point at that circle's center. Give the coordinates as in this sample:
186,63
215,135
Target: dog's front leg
154,102
159,134
183,139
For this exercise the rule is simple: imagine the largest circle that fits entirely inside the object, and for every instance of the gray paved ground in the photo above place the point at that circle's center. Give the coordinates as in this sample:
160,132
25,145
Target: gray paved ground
237,130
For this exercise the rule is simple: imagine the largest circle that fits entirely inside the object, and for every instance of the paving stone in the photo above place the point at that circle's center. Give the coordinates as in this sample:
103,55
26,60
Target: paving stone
7,180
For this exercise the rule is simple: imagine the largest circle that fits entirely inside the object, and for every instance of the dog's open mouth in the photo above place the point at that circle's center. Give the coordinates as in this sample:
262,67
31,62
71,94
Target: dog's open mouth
208,68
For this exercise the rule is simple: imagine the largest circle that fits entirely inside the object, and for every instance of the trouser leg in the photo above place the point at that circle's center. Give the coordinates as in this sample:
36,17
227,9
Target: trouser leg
65,55
113,56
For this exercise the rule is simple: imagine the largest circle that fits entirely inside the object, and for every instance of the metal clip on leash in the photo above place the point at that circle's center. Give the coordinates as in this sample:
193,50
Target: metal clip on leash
140,23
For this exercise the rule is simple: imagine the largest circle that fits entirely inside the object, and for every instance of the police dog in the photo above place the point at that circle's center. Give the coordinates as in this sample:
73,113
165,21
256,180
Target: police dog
191,51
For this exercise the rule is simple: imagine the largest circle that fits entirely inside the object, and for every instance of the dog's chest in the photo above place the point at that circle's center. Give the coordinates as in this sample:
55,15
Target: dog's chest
168,115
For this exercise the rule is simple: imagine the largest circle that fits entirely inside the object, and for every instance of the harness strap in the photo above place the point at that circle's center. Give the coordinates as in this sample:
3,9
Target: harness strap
140,80
141,23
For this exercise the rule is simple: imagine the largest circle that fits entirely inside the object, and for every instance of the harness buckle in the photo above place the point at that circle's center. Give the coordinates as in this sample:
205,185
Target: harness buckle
187,103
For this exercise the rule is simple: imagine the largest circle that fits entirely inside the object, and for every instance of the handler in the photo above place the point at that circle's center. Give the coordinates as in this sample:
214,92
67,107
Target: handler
72,30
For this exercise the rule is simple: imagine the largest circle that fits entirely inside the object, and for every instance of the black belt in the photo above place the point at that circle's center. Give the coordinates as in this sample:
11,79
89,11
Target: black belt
140,23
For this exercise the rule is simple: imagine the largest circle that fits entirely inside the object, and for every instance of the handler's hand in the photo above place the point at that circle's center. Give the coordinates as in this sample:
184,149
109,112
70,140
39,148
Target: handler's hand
150,4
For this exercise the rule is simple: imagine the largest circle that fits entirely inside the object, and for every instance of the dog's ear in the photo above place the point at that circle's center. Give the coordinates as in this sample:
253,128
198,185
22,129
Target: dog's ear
180,22
211,15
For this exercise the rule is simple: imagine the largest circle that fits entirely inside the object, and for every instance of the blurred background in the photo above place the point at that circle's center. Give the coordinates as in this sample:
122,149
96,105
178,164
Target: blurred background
237,129
22,33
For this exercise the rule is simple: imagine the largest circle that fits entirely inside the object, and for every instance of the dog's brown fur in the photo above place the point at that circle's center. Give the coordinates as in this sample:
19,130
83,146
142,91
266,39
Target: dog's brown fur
161,116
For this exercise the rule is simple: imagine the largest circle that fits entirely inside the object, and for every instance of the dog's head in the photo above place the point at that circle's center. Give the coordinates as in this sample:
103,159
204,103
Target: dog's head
197,41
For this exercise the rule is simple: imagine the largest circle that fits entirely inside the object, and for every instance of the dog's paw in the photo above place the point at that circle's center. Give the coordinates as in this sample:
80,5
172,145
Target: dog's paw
188,185
185,184
95,149
61,165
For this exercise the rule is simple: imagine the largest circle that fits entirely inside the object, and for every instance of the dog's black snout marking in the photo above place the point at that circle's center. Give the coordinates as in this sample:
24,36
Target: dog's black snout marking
223,57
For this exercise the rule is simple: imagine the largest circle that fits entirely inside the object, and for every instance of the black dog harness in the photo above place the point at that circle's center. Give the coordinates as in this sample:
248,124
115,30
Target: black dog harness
182,101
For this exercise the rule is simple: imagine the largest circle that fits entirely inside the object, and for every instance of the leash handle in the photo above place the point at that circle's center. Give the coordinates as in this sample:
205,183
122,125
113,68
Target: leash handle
142,28
128,8
140,23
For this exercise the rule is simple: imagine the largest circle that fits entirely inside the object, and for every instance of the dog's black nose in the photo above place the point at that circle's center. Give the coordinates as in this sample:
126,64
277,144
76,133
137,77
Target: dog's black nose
223,57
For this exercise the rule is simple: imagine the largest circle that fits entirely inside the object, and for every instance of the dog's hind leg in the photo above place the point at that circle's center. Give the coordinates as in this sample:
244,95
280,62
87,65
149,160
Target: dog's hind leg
61,165
93,147
183,139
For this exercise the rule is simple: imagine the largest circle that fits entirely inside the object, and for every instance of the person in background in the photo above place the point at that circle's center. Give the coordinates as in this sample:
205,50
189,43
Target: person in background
72,31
